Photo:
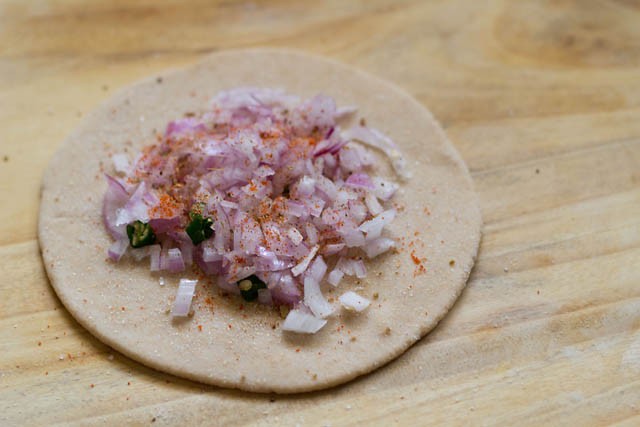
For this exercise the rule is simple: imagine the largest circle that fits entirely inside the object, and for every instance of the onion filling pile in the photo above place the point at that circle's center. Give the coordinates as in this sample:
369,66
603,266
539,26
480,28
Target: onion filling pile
261,192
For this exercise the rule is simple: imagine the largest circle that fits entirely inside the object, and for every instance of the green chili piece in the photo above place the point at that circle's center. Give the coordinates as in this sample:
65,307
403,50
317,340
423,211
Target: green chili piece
199,229
249,287
140,234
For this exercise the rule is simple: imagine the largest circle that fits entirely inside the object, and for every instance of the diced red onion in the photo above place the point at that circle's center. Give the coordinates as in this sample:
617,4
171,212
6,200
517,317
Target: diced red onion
357,211
286,291
174,261
372,229
154,252
345,111
115,198
384,189
227,286
354,302
352,267
312,233
314,299
121,163
335,277
182,303
117,249
186,248
353,238
140,253
360,180
377,139
306,187
372,204
297,209
299,268
136,209
281,183
378,246
303,323
333,248
228,204
294,235
317,269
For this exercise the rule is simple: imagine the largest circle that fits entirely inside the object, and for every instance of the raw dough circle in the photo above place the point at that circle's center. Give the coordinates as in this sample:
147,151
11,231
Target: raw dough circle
124,305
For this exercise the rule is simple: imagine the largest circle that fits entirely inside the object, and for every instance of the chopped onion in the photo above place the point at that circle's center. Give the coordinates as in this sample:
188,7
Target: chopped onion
154,252
377,139
137,208
335,277
354,302
140,253
302,265
306,186
333,248
352,267
117,249
295,236
114,199
378,246
182,303
372,204
275,186
317,269
314,299
121,163
373,228
301,322
173,260
384,189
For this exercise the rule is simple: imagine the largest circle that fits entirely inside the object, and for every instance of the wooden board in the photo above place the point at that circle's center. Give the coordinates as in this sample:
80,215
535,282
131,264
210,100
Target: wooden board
541,98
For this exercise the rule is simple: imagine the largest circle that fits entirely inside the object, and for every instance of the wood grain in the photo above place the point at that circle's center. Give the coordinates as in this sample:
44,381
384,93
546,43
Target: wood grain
542,98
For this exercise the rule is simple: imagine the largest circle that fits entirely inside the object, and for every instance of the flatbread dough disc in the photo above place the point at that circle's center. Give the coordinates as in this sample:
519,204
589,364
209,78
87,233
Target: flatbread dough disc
224,344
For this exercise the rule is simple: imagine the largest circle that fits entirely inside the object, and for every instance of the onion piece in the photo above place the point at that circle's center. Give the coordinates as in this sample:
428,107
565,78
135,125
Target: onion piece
140,253
352,267
117,249
372,204
114,199
121,163
281,184
137,208
335,277
373,227
384,189
314,299
302,265
354,302
295,236
301,322
182,303
378,246
377,139
317,269
154,255
174,261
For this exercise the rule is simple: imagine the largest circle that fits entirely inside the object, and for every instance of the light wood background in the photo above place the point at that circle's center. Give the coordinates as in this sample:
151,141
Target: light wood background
542,98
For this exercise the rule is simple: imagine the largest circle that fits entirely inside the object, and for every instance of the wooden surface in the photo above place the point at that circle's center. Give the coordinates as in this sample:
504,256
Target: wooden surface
542,98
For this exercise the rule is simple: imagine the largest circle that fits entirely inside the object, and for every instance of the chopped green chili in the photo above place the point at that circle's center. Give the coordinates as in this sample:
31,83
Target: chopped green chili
140,234
199,229
249,287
